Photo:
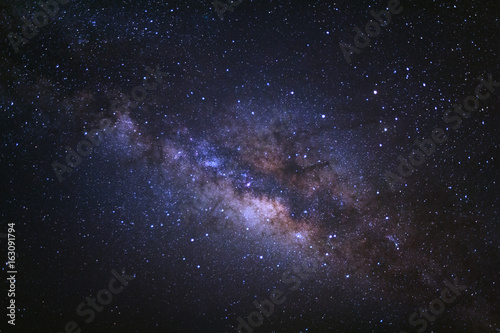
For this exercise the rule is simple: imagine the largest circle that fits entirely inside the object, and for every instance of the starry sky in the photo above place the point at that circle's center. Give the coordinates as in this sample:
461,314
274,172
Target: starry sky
259,152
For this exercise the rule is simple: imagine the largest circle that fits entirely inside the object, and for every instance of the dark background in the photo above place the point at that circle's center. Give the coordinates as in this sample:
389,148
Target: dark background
122,206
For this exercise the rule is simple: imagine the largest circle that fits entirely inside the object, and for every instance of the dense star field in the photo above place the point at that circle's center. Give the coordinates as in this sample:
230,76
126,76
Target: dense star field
265,166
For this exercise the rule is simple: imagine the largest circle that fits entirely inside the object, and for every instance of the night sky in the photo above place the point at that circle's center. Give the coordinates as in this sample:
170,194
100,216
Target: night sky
171,168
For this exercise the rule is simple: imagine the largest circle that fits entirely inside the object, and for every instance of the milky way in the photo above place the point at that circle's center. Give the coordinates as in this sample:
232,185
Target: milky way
254,150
